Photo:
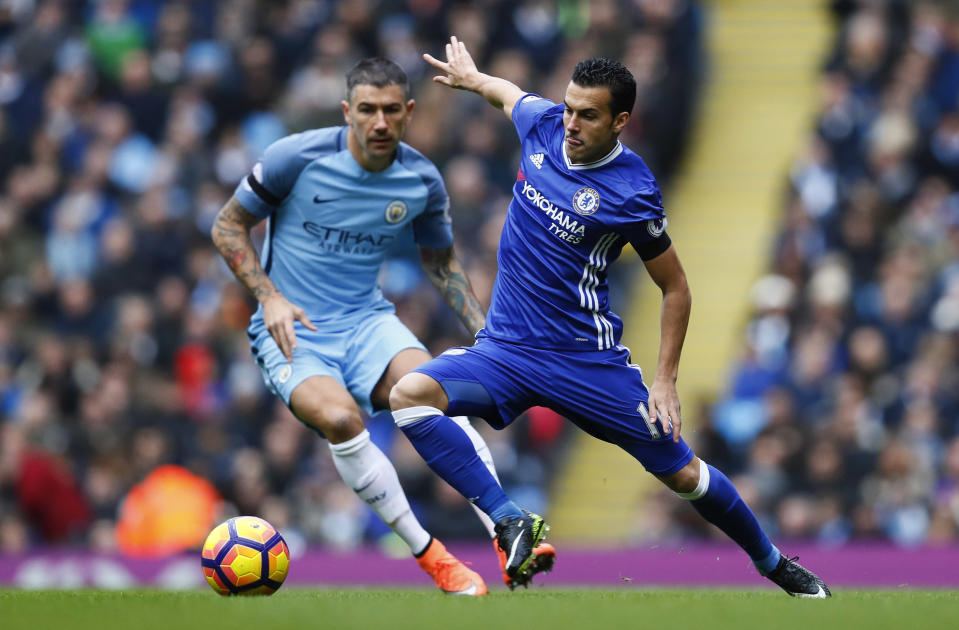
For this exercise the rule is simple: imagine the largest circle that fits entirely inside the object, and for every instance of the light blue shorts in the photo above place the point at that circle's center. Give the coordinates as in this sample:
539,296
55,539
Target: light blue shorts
355,355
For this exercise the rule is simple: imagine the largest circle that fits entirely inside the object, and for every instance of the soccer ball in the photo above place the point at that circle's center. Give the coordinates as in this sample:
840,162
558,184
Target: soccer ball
245,556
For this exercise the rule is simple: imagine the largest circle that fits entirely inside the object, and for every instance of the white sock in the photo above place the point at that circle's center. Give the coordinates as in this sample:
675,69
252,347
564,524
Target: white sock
487,458
364,467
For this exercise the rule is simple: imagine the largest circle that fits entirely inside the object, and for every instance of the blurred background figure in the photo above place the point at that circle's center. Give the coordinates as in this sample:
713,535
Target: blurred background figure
170,510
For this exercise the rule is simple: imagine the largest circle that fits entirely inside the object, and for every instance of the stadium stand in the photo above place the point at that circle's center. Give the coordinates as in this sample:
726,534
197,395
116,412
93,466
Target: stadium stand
125,125
839,422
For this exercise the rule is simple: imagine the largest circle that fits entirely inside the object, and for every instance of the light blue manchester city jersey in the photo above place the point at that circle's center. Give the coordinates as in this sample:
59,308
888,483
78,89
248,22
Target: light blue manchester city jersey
565,225
330,222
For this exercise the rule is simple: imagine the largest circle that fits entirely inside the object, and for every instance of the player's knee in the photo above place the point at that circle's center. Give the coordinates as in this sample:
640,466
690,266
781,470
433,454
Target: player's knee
691,481
338,424
414,398
416,390
342,426
402,396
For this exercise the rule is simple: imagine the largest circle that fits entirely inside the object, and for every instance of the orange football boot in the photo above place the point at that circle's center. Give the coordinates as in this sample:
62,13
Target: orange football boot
451,576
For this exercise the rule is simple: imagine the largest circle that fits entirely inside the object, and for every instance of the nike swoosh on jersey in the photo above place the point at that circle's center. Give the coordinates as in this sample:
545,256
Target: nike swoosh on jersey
317,199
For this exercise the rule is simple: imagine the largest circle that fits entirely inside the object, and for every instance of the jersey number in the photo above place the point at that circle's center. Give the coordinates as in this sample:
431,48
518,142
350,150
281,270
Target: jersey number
653,430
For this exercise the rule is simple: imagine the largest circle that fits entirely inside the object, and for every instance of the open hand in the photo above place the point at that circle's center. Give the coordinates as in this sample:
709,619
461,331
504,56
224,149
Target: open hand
278,316
460,69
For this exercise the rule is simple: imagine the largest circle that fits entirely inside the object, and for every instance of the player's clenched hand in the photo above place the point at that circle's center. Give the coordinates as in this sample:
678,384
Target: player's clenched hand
664,406
459,67
278,316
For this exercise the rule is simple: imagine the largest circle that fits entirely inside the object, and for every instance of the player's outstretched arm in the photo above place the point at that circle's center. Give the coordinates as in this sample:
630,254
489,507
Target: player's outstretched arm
231,236
449,278
667,272
461,73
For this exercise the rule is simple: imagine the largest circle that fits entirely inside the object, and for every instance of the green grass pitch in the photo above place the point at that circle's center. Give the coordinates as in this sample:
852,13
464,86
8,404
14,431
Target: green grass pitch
536,609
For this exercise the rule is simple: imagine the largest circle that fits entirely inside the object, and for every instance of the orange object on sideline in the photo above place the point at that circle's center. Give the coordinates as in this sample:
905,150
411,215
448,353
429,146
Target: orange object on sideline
171,510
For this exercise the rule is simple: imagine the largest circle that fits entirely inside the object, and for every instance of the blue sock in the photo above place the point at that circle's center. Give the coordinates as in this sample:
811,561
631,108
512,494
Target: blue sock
722,506
450,453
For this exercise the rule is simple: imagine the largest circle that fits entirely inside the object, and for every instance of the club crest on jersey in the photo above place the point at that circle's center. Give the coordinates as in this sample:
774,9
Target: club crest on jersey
396,211
586,201
284,373
537,160
656,227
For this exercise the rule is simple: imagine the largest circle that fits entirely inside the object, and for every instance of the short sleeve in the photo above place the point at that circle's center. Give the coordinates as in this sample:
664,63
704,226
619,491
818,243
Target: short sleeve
272,177
434,228
644,225
527,111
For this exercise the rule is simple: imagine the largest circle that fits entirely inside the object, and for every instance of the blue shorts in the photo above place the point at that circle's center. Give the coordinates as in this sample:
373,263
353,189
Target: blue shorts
600,391
356,354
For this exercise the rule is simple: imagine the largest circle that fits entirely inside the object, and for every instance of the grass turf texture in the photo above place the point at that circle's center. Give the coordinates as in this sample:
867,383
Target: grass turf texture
536,609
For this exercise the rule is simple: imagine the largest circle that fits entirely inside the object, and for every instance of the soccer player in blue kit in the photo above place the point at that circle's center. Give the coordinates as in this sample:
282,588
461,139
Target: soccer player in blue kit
550,338
326,340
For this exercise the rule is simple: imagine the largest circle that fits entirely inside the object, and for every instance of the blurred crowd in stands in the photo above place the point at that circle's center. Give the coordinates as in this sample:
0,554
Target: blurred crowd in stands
126,124
841,420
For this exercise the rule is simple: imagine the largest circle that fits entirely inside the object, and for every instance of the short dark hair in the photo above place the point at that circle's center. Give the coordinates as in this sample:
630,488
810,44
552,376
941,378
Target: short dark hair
603,72
378,72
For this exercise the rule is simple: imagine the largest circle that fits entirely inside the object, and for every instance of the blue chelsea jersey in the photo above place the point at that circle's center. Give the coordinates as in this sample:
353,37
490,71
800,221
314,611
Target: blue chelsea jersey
330,222
565,225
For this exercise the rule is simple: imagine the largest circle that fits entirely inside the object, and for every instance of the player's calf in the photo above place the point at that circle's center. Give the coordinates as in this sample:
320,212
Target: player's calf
716,500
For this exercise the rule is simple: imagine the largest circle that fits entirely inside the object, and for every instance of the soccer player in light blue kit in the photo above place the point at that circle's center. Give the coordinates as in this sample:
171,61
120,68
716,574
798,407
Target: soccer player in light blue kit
550,338
327,341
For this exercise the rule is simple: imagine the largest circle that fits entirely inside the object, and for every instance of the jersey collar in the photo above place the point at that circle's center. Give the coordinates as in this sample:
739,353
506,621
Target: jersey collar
612,155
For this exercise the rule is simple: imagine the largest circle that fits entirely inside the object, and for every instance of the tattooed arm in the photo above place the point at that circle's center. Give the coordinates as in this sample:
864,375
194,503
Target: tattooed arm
447,275
231,236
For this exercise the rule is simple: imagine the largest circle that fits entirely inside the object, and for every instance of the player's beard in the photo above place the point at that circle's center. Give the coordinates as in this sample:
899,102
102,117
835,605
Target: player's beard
381,145
574,151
